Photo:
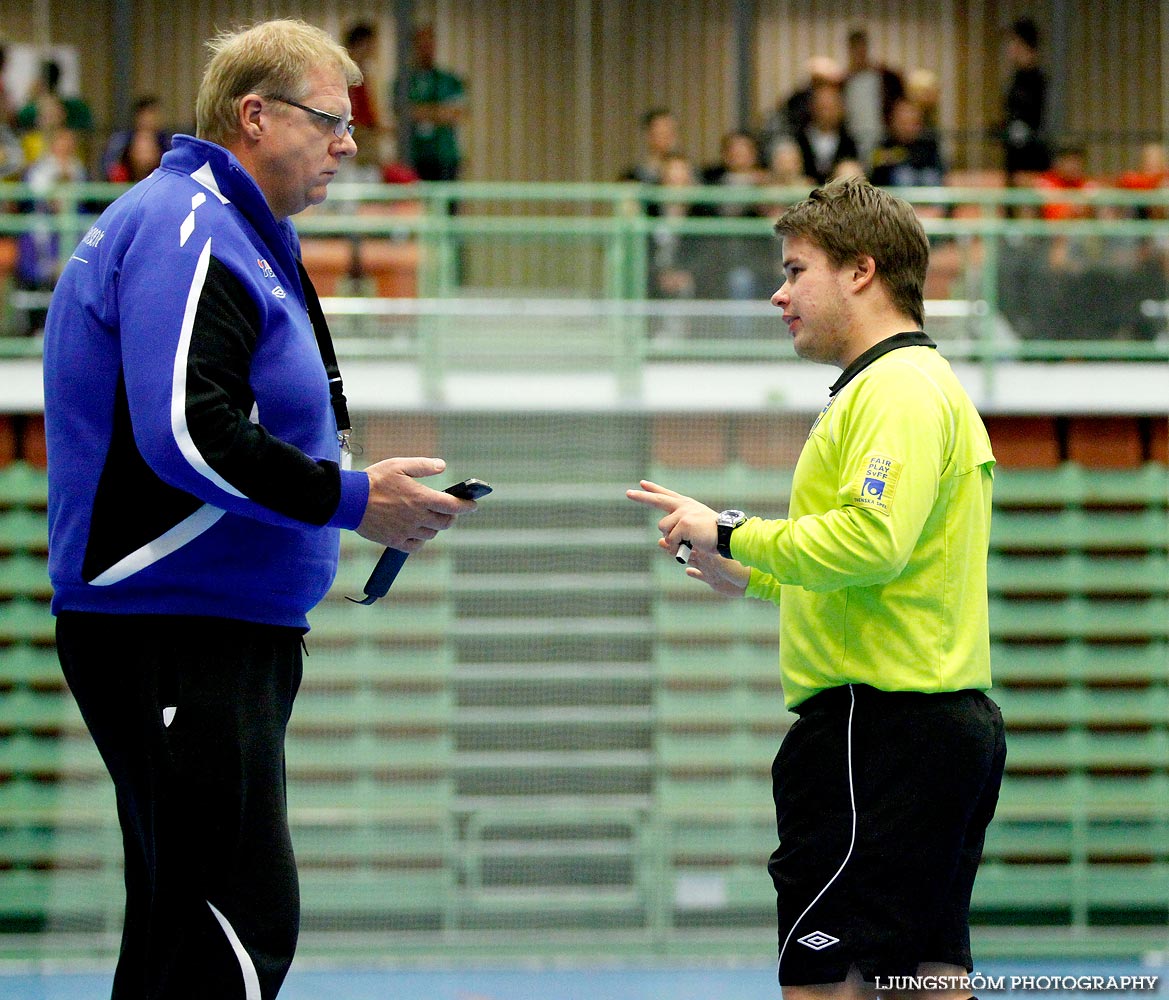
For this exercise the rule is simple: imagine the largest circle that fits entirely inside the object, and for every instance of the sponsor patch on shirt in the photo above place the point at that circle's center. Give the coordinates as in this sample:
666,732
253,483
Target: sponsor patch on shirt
876,483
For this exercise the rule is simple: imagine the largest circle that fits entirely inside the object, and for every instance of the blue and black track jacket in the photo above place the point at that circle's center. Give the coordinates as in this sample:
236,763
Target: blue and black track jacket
194,463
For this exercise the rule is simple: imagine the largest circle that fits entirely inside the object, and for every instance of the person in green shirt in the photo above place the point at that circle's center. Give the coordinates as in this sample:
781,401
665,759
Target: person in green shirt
886,783
435,107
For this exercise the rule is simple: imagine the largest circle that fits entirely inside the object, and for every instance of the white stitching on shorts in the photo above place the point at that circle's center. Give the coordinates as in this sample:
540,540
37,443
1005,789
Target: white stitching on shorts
852,841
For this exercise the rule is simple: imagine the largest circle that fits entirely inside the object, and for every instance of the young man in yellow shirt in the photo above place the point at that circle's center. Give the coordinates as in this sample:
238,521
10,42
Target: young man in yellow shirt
885,785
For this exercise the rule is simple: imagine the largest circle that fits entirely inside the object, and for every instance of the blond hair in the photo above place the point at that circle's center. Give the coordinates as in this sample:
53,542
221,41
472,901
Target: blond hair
850,219
272,59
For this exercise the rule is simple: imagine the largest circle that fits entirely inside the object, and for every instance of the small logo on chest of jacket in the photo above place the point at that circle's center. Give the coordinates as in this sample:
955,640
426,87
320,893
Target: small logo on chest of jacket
266,268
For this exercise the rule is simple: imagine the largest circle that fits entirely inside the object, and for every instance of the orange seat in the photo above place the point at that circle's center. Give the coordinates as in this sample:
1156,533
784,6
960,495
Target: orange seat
774,443
8,255
7,439
33,441
690,442
328,260
1024,442
392,264
1159,440
1105,442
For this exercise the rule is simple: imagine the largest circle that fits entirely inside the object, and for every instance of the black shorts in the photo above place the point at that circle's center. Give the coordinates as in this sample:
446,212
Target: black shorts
882,802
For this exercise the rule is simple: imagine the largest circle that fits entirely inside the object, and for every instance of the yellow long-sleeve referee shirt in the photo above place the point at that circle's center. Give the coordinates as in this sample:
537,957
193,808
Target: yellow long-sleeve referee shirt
880,570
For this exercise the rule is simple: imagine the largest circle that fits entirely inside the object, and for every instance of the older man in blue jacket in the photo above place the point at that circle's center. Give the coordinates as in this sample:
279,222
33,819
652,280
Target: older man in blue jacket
198,483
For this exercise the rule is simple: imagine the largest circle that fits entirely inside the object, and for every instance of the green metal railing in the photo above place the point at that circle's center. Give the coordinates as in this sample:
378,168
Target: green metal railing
591,244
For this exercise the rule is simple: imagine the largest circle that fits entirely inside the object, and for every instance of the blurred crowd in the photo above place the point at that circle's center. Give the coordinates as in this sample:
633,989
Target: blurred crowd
864,117
48,141
847,117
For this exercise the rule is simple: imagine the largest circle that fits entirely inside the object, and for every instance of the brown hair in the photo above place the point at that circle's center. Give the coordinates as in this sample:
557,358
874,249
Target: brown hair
272,58
850,219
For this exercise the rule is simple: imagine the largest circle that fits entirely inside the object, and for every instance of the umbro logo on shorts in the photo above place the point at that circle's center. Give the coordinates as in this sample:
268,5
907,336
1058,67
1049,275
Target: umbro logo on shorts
818,940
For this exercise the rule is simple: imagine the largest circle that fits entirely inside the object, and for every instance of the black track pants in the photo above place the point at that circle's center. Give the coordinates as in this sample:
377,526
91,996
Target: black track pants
189,715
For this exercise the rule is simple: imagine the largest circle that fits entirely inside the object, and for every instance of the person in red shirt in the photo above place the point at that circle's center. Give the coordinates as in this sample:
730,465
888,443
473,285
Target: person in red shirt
1068,172
1152,173
361,44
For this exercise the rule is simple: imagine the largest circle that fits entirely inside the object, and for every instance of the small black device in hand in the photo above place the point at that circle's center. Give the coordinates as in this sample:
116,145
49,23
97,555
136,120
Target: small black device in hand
469,489
391,561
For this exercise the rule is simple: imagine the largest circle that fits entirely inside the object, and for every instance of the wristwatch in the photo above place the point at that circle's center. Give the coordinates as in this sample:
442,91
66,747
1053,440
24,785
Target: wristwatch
728,521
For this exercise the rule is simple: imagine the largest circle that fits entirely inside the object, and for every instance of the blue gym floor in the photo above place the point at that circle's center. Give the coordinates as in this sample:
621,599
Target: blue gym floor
576,983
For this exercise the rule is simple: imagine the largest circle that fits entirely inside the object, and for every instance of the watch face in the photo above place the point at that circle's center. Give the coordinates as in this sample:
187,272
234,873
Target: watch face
729,517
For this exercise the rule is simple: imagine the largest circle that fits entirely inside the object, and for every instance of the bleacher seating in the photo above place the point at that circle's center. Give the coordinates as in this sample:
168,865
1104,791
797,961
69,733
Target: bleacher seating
547,725
1080,625
59,839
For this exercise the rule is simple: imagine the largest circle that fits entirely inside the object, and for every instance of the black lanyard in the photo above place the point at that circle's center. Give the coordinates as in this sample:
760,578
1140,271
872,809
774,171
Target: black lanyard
392,559
328,355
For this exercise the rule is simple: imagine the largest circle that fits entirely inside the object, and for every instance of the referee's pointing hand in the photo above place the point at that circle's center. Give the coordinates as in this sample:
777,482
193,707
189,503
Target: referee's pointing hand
685,517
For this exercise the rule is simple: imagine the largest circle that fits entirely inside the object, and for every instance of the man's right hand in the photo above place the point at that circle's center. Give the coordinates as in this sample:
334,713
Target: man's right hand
401,512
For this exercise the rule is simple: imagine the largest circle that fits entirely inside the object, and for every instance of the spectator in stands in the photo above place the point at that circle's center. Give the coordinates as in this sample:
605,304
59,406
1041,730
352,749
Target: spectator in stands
921,87
361,44
38,258
785,165
78,116
1075,261
436,107
139,159
744,259
7,106
146,132
1146,258
785,169
738,166
826,140
791,116
672,254
681,265
1131,268
1068,172
11,154
870,91
845,169
659,130
60,164
195,425
908,157
1024,136
49,116
1151,174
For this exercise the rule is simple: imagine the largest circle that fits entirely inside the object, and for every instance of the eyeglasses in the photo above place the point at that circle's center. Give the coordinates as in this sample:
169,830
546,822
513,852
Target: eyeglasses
341,127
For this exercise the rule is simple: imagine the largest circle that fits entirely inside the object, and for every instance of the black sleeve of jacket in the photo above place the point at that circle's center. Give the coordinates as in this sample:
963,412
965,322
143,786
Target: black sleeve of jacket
219,400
